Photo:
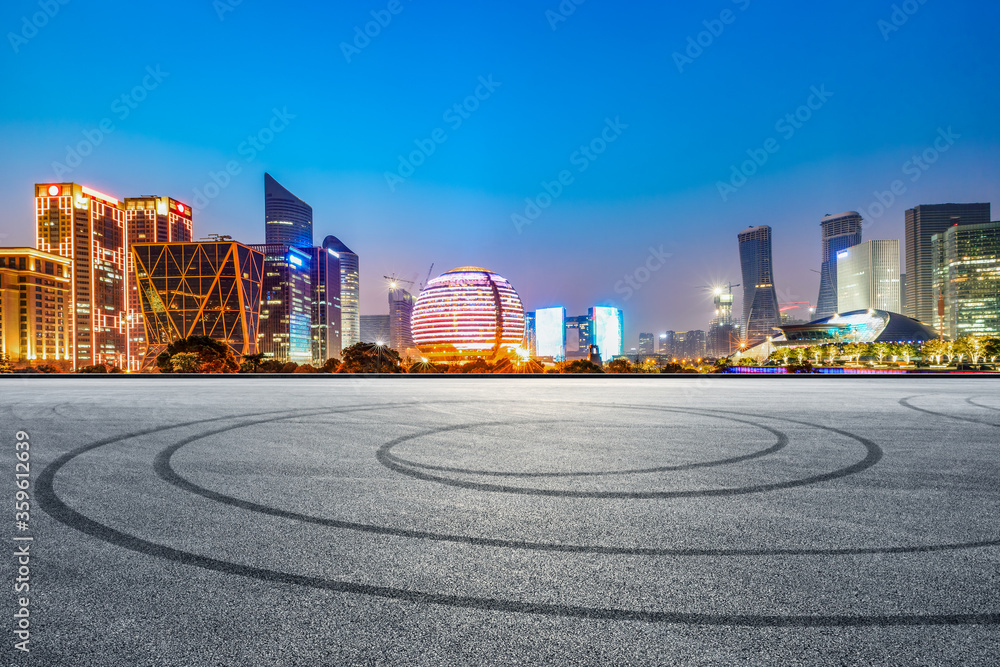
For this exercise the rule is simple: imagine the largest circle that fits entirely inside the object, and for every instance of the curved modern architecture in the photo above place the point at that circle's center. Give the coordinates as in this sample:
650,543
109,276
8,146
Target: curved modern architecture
760,300
350,291
287,219
840,232
467,313
859,326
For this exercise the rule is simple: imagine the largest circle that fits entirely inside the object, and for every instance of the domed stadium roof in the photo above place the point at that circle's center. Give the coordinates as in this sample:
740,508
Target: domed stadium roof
860,326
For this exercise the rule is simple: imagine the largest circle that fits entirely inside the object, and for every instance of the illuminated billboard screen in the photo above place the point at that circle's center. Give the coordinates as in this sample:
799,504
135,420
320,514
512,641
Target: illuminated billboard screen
550,333
607,331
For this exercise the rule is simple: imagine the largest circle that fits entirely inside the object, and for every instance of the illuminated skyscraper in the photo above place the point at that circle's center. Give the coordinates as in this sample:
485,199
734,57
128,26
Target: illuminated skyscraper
375,329
607,331
149,219
35,296
207,288
550,333
839,233
868,277
647,343
578,338
400,316
88,227
287,219
285,331
967,276
325,301
760,300
923,222
350,291
723,334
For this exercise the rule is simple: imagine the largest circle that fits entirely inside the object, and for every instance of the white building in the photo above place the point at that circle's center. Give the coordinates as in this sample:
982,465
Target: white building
868,277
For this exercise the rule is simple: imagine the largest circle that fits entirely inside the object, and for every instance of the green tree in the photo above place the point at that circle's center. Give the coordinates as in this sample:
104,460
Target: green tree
251,363
801,352
816,353
97,368
831,351
582,366
370,358
185,362
854,351
289,367
992,349
330,365
213,356
907,351
933,350
619,366
306,368
880,351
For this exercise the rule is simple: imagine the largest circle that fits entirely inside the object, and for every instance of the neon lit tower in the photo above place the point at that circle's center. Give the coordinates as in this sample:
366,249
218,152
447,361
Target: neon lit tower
287,219
760,299
840,232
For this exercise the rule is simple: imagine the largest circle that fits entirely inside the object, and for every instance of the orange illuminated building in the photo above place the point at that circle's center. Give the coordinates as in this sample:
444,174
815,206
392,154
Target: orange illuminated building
35,297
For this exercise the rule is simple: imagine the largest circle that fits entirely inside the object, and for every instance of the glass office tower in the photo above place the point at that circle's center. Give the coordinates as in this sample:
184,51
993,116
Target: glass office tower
868,277
839,233
285,332
967,277
760,300
350,291
287,219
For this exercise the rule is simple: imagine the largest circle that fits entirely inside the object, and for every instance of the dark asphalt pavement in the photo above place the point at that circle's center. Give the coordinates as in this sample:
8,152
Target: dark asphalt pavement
343,521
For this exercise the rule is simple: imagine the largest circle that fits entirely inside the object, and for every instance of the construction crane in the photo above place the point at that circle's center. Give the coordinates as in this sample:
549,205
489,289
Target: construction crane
428,278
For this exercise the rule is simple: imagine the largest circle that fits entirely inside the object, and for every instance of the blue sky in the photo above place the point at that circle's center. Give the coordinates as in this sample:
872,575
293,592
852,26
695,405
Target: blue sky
345,115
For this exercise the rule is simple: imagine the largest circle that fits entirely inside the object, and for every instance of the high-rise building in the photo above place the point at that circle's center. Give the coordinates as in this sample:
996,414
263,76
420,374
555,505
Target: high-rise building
35,313
350,291
324,277
922,223
723,334
88,227
607,329
839,232
400,316
550,333
868,277
966,276
665,346
760,299
287,219
578,338
205,288
690,345
149,219
647,344
375,329
285,331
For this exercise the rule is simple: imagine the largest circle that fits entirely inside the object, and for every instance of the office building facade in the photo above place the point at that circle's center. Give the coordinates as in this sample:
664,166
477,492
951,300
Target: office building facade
922,223
208,288
839,232
647,344
400,317
150,219
578,338
967,279
550,333
868,276
89,228
324,288
285,330
375,329
760,299
607,327
350,291
287,219
36,293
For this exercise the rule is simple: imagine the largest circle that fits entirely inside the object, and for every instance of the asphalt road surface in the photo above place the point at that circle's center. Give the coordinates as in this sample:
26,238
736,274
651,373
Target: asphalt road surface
416,521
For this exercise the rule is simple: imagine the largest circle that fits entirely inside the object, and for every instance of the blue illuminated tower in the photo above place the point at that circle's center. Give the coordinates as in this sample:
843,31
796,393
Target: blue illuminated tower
287,219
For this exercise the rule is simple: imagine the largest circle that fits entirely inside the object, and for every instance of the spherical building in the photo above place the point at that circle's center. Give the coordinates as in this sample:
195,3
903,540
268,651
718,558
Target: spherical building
467,313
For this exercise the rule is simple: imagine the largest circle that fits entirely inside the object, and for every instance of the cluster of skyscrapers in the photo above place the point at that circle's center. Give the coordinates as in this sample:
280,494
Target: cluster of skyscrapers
951,279
115,281
553,335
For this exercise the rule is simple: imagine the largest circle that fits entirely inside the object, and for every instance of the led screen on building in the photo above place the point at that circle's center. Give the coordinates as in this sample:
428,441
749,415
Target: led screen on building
550,333
607,331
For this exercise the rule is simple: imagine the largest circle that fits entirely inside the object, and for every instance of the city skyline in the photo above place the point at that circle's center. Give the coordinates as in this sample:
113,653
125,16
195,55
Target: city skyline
652,191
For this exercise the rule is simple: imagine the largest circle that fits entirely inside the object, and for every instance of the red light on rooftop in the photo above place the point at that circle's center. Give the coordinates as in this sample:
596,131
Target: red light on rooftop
54,190
180,207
